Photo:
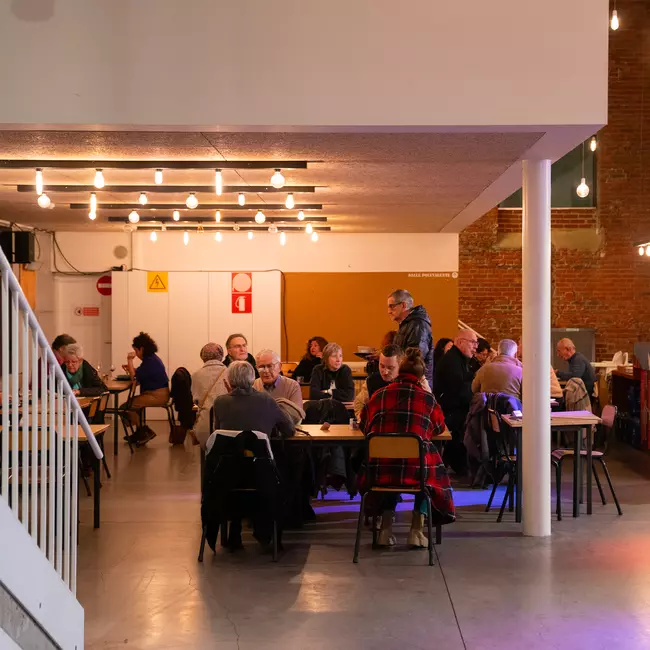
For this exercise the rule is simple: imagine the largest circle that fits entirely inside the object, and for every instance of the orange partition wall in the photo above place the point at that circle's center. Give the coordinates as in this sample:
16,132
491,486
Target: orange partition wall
350,308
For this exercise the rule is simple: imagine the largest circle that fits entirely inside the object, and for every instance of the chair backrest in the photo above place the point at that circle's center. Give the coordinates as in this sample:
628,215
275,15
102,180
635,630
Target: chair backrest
92,410
288,366
131,395
608,416
397,445
103,402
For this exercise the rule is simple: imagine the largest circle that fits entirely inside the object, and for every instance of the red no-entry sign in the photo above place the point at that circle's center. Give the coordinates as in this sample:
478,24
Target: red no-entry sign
104,285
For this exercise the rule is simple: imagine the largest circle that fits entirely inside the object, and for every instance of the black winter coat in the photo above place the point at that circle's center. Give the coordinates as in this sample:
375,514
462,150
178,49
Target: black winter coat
452,386
91,384
415,332
321,379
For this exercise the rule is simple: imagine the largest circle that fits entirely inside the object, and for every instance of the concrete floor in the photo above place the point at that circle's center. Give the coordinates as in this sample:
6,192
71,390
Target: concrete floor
588,586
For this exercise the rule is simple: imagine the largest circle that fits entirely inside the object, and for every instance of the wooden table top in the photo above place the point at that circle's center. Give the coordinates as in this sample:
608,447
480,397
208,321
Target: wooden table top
341,433
560,419
115,386
97,429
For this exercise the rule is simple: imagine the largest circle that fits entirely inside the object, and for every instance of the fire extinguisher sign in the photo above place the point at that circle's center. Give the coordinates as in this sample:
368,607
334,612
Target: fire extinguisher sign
242,293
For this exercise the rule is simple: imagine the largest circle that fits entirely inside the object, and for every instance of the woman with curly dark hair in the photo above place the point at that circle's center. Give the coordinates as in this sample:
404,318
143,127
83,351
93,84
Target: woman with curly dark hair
313,357
153,380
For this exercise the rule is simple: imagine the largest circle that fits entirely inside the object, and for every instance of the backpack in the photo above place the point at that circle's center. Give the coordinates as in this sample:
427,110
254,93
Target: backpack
181,394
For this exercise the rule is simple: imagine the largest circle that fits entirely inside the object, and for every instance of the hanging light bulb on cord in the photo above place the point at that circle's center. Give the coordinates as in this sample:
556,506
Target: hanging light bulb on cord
289,203
142,199
218,236
99,179
614,22
301,216
176,215
158,177
250,234
314,236
93,202
641,251
583,189
39,182
241,199
191,201
277,180
647,250
260,217
283,238
186,238
134,217
153,236
44,201
92,216
593,143
218,182
309,229
217,216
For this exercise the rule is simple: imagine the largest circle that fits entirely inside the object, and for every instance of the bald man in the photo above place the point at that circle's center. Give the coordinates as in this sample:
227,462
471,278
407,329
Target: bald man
579,365
452,386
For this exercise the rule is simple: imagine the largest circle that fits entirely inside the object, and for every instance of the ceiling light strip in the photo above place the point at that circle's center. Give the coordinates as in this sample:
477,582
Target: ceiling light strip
205,219
171,189
204,206
154,164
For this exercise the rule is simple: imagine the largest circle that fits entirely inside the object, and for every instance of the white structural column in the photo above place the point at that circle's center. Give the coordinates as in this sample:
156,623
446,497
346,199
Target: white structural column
536,267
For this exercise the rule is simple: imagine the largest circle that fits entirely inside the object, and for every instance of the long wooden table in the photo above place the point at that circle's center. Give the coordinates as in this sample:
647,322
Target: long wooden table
340,433
116,387
577,421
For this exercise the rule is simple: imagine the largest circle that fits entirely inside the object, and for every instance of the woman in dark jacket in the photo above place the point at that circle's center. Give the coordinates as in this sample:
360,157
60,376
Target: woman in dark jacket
332,378
313,357
82,377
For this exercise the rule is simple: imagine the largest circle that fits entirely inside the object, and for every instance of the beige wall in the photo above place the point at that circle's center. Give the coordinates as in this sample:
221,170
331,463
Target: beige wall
291,63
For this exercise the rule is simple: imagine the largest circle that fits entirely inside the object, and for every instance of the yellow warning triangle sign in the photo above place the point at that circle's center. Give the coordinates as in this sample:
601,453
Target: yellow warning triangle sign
157,281
157,284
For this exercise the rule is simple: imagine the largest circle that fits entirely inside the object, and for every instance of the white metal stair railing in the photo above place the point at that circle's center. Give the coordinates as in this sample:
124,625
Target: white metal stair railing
40,431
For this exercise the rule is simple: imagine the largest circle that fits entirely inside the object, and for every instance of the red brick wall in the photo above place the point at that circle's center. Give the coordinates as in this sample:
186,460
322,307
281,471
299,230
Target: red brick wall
607,287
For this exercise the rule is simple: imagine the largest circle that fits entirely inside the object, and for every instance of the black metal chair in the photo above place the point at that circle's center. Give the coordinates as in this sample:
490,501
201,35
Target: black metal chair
398,446
123,414
608,418
505,462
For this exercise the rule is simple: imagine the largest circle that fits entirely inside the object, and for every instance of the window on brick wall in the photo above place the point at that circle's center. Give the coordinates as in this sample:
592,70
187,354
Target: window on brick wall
565,177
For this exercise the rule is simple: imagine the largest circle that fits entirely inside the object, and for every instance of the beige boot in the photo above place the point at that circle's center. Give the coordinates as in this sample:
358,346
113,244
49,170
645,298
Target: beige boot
386,537
416,537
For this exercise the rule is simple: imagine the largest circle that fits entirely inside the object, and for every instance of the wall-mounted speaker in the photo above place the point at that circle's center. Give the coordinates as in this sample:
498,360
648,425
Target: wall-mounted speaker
24,247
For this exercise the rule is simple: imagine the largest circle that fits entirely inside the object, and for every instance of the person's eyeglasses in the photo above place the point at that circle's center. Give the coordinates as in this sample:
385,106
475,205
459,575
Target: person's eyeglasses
474,344
393,305
238,346
268,368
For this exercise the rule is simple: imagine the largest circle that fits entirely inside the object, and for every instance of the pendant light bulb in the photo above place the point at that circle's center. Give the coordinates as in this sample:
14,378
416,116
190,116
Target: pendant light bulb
217,216
153,236
186,238
44,201
283,238
277,180
614,23
641,251
260,217
289,203
158,177
191,201
99,179
250,234
134,217
241,199
593,143
218,236
301,216
218,182
176,215
142,199
314,236
647,251
39,182
93,202
583,189
92,215
309,229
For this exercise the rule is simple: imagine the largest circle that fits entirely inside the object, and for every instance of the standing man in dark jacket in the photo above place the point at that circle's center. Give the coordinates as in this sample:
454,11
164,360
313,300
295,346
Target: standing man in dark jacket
452,386
414,327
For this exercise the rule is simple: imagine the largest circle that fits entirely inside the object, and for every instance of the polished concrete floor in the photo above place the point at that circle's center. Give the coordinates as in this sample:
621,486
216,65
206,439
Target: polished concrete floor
588,586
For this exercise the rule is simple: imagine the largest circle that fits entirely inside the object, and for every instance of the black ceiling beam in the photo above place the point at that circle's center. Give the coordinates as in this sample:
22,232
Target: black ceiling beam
215,227
178,189
210,220
153,164
203,206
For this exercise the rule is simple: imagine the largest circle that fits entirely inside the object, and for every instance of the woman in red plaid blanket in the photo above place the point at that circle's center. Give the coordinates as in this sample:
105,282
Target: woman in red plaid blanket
405,407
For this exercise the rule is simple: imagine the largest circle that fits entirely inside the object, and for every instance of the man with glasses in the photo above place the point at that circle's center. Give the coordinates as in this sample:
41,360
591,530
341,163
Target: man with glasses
452,386
272,382
414,327
237,347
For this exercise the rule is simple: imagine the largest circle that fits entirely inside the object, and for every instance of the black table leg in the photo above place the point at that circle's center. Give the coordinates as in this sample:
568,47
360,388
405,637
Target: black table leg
576,473
97,484
589,466
519,476
115,420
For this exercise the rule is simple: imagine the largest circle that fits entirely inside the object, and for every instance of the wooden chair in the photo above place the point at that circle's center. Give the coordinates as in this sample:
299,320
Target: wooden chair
288,367
608,418
399,446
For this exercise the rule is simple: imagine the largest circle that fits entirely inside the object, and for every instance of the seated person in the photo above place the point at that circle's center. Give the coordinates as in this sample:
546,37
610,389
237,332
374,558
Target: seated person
389,359
332,378
313,357
208,383
418,413
82,377
373,359
153,380
579,365
237,348
246,409
59,346
272,382
503,374
442,347
556,389
482,355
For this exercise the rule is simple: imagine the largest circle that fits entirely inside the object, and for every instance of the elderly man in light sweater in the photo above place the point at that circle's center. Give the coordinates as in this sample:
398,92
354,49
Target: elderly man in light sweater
501,375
